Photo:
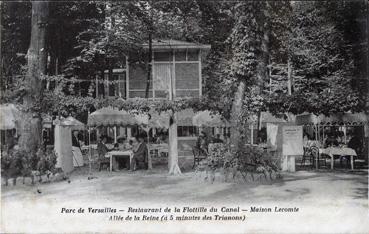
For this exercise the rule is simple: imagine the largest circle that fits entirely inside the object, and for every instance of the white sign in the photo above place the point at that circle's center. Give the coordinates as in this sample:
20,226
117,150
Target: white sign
292,140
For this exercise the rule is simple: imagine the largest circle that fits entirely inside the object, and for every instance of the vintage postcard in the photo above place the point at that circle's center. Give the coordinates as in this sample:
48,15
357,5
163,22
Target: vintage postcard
184,116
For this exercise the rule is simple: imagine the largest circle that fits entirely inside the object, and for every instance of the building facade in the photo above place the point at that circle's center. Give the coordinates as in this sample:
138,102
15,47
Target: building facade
175,72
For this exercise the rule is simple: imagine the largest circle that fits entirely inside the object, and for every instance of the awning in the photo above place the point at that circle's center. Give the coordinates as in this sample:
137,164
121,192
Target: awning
184,117
9,117
114,117
206,118
73,123
333,119
111,117
153,120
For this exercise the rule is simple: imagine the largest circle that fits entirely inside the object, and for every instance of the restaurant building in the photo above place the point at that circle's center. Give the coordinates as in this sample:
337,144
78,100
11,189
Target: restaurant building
175,72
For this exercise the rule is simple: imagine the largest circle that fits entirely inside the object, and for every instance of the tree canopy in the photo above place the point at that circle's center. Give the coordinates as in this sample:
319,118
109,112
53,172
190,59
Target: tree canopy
325,42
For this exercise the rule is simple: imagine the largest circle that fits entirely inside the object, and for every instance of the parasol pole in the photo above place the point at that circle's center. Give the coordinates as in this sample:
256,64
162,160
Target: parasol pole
89,151
115,134
90,175
147,129
316,132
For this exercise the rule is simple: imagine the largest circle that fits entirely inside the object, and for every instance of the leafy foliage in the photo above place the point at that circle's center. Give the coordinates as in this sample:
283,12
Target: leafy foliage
245,160
322,63
16,163
324,40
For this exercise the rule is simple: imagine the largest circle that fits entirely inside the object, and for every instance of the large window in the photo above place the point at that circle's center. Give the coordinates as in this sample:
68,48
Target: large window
162,76
114,85
180,70
176,72
187,131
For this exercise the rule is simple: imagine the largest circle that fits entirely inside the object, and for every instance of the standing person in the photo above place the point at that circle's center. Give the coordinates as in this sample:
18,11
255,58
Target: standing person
140,154
76,150
102,149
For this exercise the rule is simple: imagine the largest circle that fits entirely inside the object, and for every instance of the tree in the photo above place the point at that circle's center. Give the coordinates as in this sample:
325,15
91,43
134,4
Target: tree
15,34
36,62
323,60
249,41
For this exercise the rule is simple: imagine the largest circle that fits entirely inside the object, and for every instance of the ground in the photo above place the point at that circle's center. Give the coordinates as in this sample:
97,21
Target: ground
327,200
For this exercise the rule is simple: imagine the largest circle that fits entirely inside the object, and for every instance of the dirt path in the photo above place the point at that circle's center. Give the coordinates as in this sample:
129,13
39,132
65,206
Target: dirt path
335,195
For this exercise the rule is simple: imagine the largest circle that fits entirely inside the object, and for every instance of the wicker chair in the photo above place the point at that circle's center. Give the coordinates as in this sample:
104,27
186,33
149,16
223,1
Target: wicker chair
307,157
317,157
102,160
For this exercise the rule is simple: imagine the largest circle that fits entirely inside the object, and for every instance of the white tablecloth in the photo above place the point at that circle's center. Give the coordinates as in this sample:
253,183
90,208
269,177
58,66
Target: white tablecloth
117,153
338,151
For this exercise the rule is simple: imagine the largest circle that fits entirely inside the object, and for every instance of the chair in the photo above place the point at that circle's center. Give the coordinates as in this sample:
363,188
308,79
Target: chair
307,156
199,155
316,156
102,160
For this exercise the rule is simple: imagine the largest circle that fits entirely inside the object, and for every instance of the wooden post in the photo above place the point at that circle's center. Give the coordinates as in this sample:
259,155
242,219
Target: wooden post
173,146
173,135
115,134
129,132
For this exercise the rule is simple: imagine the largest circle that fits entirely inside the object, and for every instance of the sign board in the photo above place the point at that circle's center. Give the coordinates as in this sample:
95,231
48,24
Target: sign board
292,140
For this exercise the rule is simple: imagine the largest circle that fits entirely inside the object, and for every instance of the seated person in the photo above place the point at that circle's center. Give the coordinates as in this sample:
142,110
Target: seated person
331,141
128,144
102,149
355,143
140,154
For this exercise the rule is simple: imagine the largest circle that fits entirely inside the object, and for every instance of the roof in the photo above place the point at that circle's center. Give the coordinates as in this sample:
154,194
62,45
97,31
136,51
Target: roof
175,44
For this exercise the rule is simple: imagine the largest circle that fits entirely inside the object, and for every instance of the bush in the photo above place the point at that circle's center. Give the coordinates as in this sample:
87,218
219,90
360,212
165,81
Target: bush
246,160
254,159
18,163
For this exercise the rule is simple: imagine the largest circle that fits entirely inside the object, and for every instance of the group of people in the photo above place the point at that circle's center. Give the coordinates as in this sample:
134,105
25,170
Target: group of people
138,147
336,139
203,141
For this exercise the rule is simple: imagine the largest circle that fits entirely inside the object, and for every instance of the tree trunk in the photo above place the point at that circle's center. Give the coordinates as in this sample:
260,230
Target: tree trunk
236,125
147,91
289,76
31,127
173,147
2,83
263,72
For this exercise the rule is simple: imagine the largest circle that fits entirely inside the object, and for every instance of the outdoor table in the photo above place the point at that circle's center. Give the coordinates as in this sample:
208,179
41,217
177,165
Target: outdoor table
118,153
340,151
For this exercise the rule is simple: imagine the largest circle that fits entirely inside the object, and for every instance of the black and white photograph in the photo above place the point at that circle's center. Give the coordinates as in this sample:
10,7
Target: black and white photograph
184,116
